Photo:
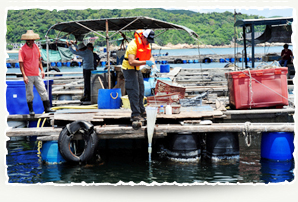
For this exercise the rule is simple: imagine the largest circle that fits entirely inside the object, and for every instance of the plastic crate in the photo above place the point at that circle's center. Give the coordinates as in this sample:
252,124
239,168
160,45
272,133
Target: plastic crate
163,99
167,87
258,88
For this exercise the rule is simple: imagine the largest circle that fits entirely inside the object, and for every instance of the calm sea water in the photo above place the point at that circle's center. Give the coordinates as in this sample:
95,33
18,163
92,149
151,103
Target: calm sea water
128,165
23,164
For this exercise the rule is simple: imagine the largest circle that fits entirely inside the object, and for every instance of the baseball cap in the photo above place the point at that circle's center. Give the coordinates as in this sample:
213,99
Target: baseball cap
149,34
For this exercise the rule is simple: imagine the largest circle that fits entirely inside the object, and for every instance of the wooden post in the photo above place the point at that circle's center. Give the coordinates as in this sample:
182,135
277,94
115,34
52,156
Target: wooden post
108,55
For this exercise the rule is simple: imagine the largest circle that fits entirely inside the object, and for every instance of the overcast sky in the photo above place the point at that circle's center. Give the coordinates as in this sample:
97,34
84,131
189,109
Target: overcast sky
284,12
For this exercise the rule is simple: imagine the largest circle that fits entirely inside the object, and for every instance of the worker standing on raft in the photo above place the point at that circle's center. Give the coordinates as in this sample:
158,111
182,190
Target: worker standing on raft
30,63
137,53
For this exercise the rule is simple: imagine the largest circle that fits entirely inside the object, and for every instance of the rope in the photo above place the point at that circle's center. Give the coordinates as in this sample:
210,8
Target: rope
264,86
246,133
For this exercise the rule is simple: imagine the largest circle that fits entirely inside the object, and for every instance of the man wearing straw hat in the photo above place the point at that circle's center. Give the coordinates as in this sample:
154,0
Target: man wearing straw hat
30,63
137,53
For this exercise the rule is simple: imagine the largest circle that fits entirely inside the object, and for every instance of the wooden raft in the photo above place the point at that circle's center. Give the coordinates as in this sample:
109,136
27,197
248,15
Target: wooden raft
161,130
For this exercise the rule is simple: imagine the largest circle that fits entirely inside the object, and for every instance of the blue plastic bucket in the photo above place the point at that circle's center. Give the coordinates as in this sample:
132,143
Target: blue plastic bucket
109,98
50,153
164,68
277,146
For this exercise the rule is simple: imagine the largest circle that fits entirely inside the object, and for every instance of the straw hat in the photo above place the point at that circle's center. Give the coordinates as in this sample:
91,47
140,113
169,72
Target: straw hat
30,35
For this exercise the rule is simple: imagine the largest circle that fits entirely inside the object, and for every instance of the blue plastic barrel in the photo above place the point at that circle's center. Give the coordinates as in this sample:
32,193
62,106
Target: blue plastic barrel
227,59
16,102
64,63
68,64
79,64
232,59
109,98
196,61
190,61
221,60
59,64
53,64
184,61
50,153
8,65
277,146
164,62
164,68
17,65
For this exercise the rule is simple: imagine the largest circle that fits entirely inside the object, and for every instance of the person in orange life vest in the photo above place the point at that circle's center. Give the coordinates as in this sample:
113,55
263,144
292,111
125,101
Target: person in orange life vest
30,63
286,56
138,53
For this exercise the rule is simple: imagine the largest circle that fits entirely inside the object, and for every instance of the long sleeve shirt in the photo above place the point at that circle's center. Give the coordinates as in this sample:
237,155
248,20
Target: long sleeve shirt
87,55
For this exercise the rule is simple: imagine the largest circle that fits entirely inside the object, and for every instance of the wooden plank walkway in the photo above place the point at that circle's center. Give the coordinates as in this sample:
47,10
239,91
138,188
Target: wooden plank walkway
121,132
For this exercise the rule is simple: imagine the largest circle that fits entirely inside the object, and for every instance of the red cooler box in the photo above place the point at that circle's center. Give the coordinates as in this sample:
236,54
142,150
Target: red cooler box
264,88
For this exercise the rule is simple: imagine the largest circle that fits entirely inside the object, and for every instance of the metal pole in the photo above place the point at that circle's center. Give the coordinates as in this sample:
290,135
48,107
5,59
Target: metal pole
48,64
108,55
253,45
244,44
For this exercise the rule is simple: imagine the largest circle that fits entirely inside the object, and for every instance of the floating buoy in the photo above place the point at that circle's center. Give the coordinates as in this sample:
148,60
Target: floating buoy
53,64
164,62
68,64
184,61
59,64
17,65
178,61
221,60
206,60
222,146
183,146
232,59
278,146
64,63
190,61
50,153
196,61
227,59
8,65
103,63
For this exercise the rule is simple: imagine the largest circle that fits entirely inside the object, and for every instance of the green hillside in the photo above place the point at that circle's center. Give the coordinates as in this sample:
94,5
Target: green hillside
213,28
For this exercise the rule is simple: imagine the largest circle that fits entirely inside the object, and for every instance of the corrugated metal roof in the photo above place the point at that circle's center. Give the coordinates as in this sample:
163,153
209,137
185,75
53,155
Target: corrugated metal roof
264,21
116,24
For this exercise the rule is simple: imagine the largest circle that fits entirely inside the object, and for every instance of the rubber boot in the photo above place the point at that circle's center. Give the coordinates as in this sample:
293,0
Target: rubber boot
47,107
30,106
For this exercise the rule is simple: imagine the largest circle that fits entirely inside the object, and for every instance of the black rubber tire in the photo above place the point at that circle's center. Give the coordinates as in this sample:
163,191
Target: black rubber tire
90,140
178,61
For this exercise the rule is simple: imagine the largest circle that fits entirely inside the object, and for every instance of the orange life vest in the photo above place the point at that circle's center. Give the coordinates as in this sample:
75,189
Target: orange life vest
143,51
